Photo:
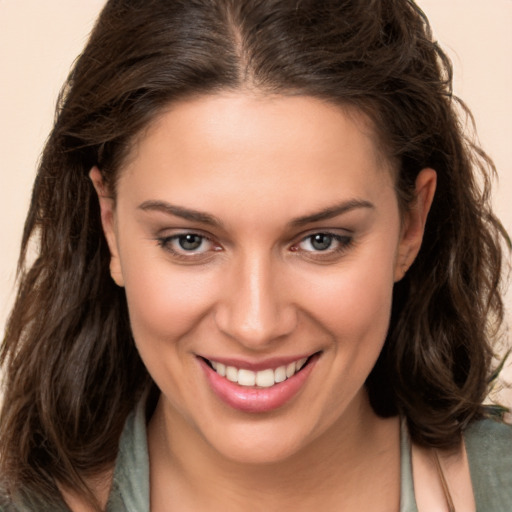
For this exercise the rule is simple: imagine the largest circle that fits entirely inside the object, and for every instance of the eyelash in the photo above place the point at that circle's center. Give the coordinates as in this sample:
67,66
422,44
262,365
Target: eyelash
166,244
344,243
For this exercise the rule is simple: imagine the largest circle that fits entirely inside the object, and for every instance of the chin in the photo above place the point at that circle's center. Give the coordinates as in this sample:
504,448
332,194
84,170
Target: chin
259,450
269,440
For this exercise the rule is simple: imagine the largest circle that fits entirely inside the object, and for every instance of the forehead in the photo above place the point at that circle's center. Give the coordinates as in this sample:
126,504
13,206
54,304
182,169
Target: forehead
236,144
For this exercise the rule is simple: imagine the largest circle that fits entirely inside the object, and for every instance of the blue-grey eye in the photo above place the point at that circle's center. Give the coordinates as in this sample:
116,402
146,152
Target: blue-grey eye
321,241
329,243
190,241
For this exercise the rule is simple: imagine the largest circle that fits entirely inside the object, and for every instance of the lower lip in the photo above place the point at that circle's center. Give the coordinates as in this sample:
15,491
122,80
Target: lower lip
257,400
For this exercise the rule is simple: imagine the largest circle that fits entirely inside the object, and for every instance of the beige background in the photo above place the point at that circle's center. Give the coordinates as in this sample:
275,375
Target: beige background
40,39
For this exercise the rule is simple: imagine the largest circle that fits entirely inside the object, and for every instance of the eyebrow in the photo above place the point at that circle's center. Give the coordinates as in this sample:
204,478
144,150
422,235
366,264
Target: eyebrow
332,211
179,211
206,218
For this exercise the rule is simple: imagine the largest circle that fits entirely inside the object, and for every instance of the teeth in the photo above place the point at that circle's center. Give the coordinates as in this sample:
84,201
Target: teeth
301,362
280,374
221,369
263,378
290,370
231,373
246,377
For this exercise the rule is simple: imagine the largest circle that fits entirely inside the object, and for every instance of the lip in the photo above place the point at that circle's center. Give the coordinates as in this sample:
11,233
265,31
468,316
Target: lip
253,399
256,366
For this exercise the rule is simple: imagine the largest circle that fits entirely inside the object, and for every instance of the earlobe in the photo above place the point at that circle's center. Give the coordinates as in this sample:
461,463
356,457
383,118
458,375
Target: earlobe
107,208
414,222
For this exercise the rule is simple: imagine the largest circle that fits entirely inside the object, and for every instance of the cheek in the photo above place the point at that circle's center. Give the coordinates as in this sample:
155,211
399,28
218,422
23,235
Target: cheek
356,311
355,300
164,303
166,307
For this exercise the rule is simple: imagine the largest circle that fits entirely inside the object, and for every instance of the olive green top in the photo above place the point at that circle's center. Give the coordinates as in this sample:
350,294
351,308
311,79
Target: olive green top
488,445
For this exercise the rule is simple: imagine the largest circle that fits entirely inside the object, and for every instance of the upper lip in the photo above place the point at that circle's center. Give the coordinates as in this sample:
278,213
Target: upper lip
263,364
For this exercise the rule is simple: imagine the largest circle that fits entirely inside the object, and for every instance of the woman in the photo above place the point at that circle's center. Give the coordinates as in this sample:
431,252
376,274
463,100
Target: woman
265,267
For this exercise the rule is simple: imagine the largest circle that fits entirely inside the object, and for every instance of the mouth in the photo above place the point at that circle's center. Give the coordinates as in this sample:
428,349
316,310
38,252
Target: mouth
260,387
264,378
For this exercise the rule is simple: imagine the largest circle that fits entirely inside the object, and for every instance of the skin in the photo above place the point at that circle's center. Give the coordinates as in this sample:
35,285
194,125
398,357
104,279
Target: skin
257,288
428,488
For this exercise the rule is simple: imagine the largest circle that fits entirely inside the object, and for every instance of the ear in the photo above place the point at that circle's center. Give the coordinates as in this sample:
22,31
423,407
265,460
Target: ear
414,222
107,207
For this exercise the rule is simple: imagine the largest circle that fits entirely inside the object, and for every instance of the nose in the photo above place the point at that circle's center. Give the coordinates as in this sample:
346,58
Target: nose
255,309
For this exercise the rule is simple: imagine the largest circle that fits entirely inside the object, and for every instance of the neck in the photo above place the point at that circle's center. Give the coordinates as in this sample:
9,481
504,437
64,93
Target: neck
353,464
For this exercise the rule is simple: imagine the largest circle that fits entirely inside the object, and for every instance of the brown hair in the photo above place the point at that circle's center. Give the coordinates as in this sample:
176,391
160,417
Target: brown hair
72,370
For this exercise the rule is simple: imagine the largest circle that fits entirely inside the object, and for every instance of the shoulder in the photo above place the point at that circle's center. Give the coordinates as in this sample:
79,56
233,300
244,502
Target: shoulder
489,449
7,505
24,502
485,442
130,486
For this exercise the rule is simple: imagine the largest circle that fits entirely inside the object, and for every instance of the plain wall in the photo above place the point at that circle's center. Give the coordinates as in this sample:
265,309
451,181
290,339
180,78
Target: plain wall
40,39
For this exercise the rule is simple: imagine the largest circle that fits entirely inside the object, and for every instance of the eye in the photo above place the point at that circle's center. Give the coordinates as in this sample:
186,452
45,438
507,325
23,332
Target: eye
318,242
187,245
190,242
323,245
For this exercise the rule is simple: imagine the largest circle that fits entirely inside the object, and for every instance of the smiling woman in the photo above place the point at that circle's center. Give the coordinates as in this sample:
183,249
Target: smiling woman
276,286
258,281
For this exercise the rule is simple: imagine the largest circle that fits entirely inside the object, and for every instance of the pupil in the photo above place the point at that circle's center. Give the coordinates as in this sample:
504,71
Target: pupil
190,242
321,242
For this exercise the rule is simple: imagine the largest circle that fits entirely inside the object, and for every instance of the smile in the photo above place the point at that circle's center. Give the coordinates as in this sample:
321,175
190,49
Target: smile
262,379
257,387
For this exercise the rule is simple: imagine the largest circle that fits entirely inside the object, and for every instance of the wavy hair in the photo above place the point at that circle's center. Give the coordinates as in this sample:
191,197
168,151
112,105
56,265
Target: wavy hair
72,372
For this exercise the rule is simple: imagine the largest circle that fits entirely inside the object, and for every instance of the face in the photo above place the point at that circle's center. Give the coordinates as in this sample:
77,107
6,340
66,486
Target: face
258,240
